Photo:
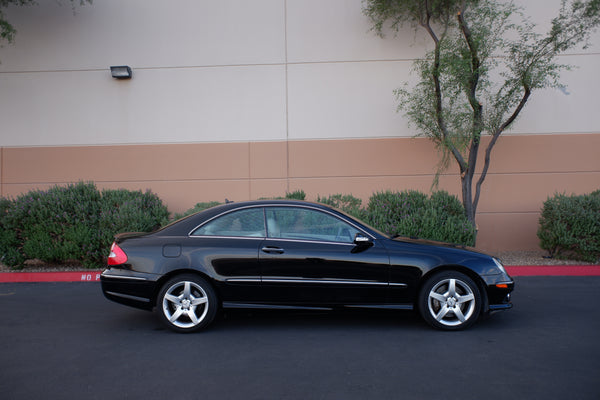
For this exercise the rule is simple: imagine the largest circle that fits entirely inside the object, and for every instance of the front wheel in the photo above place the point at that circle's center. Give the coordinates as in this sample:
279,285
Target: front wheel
450,300
186,303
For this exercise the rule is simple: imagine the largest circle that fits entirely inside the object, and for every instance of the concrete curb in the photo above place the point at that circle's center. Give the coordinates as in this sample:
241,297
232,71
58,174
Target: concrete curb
70,276
94,276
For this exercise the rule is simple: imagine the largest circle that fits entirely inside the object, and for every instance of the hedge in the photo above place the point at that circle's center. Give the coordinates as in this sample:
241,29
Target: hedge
439,217
73,223
78,222
570,226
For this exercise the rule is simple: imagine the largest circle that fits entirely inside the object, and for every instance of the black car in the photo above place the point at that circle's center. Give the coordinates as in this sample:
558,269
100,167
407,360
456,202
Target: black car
275,253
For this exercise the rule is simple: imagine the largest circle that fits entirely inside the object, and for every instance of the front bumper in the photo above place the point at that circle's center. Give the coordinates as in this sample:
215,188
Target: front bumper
499,289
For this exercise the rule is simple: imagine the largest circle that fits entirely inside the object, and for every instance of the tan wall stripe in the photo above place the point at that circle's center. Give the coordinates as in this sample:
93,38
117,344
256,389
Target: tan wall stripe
525,171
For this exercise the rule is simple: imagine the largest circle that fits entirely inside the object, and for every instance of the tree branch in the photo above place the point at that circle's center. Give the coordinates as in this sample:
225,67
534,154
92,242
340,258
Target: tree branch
435,74
495,136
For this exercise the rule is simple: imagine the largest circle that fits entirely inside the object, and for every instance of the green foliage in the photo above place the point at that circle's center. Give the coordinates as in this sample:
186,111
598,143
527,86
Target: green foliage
296,195
410,213
570,226
74,222
9,242
345,202
197,208
7,30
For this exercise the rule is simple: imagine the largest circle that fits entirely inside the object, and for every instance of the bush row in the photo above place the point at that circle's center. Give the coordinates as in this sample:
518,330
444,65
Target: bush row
78,222
75,222
570,226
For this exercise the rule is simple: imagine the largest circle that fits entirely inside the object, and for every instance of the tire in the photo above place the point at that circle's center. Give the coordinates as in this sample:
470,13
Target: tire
186,303
450,301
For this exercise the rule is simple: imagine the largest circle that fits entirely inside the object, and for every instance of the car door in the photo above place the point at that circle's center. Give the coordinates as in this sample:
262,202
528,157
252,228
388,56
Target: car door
227,247
309,257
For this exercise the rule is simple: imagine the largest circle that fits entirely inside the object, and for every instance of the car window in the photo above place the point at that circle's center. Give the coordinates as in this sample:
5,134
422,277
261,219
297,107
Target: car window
242,223
307,224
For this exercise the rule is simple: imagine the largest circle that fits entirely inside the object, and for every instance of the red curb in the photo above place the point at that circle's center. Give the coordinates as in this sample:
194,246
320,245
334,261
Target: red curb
72,276
94,276
553,270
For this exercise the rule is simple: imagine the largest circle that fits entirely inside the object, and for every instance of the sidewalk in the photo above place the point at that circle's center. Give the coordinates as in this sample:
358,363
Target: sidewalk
94,275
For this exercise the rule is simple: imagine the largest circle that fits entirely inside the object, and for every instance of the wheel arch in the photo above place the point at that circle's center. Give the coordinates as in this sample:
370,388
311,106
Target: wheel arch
183,271
457,268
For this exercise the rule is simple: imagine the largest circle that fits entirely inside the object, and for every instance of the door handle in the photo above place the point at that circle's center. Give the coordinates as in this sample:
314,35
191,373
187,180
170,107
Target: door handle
273,250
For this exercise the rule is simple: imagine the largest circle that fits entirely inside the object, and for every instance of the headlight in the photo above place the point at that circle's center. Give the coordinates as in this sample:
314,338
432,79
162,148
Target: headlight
499,265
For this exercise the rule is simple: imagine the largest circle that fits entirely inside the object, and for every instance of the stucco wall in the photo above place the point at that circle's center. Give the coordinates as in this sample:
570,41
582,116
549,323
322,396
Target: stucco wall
244,99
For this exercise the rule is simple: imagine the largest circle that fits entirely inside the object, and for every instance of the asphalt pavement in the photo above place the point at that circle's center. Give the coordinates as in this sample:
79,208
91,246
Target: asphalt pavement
65,341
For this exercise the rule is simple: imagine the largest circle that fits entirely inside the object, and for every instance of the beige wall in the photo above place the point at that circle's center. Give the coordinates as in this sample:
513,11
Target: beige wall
525,171
248,99
232,70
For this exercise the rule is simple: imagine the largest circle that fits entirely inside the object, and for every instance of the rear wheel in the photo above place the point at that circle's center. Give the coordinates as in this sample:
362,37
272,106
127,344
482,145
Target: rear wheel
450,300
187,303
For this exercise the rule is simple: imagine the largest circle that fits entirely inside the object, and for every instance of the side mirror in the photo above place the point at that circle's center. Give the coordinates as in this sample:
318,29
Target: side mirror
362,242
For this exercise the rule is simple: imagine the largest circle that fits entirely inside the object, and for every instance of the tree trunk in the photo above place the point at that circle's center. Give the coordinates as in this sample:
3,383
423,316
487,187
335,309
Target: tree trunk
467,198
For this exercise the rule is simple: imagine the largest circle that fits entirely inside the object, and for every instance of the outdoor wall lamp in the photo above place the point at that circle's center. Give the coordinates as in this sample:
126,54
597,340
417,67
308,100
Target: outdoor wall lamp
121,72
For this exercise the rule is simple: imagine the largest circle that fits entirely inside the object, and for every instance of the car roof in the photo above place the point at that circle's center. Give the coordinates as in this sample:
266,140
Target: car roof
185,225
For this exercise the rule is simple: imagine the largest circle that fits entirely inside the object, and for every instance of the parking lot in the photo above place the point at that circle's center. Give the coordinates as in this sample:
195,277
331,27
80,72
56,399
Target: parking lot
64,340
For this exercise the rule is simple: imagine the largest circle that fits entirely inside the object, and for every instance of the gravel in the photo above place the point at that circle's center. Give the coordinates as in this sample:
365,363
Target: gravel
536,257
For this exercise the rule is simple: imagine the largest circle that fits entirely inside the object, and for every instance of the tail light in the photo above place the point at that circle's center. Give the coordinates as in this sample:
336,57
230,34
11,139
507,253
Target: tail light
117,255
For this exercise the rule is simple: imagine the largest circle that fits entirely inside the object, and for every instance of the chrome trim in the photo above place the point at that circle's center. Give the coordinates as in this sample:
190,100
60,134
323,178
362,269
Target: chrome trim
264,207
225,213
227,237
324,281
243,280
308,241
130,297
133,278
382,306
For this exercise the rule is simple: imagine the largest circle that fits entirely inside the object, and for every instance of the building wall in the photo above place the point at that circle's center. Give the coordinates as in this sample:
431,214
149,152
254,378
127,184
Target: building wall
244,100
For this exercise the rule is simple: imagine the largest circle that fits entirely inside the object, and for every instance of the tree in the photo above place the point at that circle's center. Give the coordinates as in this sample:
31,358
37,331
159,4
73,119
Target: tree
487,60
7,31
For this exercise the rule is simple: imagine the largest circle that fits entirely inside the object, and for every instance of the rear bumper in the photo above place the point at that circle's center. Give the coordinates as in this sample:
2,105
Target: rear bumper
131,290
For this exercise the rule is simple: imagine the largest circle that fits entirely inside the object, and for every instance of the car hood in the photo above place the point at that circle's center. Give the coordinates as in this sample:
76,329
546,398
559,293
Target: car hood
427,242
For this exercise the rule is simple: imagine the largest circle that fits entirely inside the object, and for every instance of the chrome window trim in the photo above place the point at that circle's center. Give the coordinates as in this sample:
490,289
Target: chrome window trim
309,241
264,207
229,237
190,234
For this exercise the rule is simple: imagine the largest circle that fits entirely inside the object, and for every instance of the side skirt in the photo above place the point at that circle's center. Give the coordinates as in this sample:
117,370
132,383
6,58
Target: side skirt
304,307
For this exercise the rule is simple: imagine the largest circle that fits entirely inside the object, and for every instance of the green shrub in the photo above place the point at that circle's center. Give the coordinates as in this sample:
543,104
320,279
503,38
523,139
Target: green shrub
570,226
73,222
296,195
346,202
9,242
410,213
